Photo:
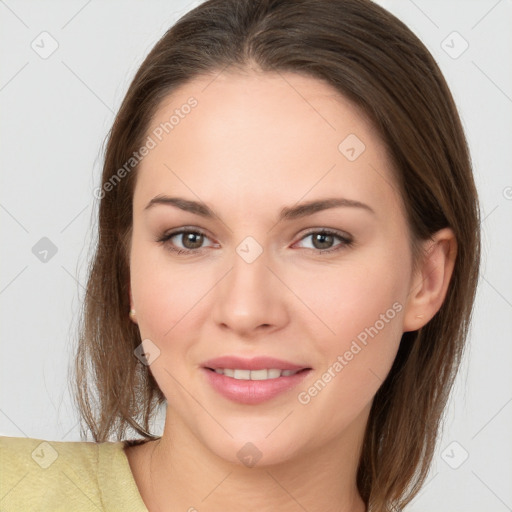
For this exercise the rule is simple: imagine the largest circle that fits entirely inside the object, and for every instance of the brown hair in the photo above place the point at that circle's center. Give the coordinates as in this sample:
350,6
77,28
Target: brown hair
374,60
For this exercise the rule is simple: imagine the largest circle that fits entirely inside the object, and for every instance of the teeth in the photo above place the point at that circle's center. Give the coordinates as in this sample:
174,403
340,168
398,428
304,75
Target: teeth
259,374
242,374
238,374
274,374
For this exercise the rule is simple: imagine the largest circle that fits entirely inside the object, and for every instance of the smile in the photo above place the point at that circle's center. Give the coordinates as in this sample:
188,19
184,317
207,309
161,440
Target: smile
264,374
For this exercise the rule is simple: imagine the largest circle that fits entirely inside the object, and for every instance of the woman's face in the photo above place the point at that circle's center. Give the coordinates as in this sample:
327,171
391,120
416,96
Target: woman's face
257,278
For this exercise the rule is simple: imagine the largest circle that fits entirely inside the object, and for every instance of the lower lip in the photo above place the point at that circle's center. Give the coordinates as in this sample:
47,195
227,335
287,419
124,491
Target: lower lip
252,392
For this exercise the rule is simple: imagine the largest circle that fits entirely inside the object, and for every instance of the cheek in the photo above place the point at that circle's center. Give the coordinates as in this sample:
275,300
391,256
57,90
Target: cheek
353,296
166,294
363,304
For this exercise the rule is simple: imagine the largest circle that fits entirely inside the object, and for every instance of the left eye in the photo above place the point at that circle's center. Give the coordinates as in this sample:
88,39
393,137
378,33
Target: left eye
192,241
323,239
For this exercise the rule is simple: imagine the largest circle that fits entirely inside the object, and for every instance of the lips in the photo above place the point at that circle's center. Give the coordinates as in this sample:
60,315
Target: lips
270,373
256,363
252,381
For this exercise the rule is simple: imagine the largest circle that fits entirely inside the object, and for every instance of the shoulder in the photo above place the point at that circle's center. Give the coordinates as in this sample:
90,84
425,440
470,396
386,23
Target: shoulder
58,475
27,453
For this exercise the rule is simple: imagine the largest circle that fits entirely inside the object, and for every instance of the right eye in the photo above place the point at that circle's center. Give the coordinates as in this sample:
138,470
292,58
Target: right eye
191,241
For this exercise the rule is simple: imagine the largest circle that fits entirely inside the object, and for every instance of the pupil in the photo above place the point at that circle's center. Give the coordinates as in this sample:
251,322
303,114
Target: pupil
324,239
189,238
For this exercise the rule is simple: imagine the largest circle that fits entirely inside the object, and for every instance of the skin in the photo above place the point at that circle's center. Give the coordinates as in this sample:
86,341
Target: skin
255,143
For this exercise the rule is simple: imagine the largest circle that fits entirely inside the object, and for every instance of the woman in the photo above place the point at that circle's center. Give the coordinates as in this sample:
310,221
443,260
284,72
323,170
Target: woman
287,259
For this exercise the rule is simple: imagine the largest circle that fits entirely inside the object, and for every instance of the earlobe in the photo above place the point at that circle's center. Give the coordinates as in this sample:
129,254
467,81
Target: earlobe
430,283
132,312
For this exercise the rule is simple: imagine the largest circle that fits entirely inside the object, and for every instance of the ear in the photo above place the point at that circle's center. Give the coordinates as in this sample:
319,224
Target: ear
132,317
430,282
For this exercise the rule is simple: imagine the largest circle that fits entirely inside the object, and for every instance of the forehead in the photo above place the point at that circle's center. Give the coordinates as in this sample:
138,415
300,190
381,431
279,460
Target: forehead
266,137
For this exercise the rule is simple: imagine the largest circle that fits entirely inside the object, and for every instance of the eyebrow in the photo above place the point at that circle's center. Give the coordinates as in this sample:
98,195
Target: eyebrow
287,213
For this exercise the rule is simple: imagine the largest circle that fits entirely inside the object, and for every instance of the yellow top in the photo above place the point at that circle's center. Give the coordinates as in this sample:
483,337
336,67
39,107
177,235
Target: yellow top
66,476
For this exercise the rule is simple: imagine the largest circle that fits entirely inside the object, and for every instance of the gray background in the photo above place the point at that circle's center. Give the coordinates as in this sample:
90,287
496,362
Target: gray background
56,112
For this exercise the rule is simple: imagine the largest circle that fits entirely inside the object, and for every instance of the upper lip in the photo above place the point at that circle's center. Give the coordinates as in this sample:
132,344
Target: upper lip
254,363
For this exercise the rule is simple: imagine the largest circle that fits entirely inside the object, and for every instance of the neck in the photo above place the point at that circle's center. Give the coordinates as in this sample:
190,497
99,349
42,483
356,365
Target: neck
177,472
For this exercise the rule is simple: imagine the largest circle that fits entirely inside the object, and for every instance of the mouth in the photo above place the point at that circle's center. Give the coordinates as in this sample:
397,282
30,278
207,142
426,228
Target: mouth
252,381
264,374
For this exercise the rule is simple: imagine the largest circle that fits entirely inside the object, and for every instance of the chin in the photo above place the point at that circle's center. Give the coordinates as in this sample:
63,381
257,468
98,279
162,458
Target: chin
255,449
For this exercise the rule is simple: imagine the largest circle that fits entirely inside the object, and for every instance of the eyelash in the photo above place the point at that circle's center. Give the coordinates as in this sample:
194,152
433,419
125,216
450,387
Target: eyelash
345,241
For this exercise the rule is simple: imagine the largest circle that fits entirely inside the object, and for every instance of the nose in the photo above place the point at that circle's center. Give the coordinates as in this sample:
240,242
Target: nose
250,299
